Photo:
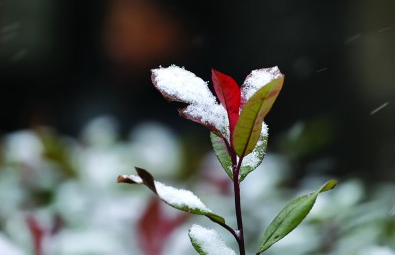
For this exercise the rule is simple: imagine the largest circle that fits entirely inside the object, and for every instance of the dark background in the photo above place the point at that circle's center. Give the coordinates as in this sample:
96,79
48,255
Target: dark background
64,62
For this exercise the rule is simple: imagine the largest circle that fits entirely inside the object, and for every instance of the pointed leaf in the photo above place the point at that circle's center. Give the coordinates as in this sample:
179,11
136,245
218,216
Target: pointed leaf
291,216
178,198
255,158
255,80
208,241
248,128
222,154
229,95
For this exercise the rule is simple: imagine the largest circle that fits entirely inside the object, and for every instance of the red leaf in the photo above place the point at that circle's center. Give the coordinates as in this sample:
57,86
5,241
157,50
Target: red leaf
37,232
155,227
228,92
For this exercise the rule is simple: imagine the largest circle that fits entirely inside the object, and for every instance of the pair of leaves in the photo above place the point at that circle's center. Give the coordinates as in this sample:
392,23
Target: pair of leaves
249,163
180,199
291,216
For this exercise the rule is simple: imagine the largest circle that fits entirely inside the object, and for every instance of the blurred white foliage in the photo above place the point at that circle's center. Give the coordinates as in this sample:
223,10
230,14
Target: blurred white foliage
101,131
87,241
17,229
100,216
24,147
8,247
154,147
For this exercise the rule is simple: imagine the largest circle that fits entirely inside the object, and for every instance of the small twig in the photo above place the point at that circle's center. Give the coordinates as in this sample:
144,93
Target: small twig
228,228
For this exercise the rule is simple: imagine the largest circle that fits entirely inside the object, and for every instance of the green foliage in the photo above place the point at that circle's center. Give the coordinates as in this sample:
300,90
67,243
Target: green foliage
251,161
291,216
221,151
257,157
196,245
248,128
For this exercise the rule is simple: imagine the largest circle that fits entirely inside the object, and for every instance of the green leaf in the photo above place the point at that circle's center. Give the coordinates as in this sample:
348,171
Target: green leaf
208,241
254,159
249,163
291,216
222,154
180,199
247,129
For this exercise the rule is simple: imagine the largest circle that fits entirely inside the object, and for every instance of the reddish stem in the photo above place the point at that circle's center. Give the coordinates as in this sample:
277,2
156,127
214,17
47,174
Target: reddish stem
238,211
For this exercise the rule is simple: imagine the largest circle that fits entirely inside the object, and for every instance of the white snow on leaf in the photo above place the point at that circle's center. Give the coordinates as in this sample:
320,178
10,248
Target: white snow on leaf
209,241
257,79
179,197
213,115
182,85
253,159
134,178
178,84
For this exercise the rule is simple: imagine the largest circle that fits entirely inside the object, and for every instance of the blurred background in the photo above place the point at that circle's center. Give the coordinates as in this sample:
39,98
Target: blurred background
77,108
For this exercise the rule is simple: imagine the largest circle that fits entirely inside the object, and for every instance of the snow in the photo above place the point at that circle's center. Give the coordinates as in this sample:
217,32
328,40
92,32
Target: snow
209,241
134,178
178,84
379,108
182,85
256,80
214,115
253,159
179,197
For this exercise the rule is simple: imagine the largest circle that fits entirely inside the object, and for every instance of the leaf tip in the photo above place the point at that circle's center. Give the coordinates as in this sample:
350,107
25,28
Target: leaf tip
328,186
121,179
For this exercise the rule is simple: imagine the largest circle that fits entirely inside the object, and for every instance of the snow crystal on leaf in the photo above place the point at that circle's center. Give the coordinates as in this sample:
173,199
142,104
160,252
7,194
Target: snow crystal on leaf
133,178
214,115
179,197
181,85
257,79
253,159
178,84
209,241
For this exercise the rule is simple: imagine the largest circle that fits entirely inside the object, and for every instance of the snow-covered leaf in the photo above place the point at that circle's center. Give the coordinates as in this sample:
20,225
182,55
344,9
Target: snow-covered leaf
291,216
248,128
257,79
180,199
213,117
220,148
178,84
249,162
229,95
254,159
208,241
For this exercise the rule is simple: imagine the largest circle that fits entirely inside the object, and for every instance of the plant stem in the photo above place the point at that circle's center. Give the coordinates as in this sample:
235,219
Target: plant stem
236,167
238,211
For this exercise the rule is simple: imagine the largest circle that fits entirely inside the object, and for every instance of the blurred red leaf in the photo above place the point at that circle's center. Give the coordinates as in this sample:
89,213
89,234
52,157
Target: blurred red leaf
155,227
37,232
